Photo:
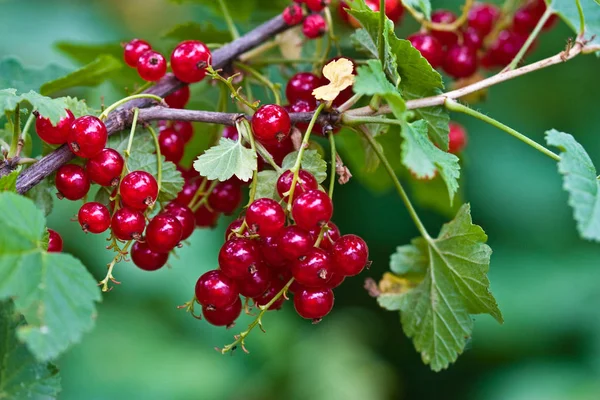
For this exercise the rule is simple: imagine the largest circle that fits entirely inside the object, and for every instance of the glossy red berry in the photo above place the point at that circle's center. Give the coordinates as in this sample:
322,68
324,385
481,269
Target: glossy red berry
313,303
226,197
332,233
72,182
184,129
171,145
54,134
446,38
128,224
256,283
274,288
152,66
295,242
138,190
350,255
235,225
190,187
265,217
185,216
133,51
87,137
94,217
230,132
146,259
393,9
314,26
335,281
179,98
472,39
163,233
429,47
269,250
105,168
302,106
189,61
279,150
301,86
215,289
505,48
239,257
222,316
460,61
305,182
314,269
206,218
293,14
457,138
316,5
271,123
55,242
482,17
312,209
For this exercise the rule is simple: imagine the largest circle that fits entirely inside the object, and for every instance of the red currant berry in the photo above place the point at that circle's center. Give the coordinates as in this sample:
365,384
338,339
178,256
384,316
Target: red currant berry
301,86
293,15
350,255
105,168
335,281
128,224
272,291
71,182
313,303
295,242
146,259
265,217
316,5
311,209
189,61
225,197
457,138
257,283
190,187
482,17
206,218
216,289
52,134
524,20
472,39
269,249
171,145
152,66
230,132
446,38
279,150
94,217
184,129
239,257
133,51
163,233
460,62
305,182
303,106
332,233
314,26
222,316
429,47
55,242
393,9
505,48
271,123
179,98
138,190
314,269
234,226
185,216
87,137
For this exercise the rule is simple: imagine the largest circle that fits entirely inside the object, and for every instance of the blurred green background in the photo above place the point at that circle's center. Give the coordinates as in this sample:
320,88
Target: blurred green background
544,278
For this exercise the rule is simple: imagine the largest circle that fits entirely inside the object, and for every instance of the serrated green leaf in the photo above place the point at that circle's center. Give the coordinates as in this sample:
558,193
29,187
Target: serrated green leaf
206,32
226,159
8,183
103,196
142,142
311,162
54,109
437,313
172,181
266,186
410,260
567,10
580,181
14,75
21,376
54,291
79,108
424,159
424,6
371,80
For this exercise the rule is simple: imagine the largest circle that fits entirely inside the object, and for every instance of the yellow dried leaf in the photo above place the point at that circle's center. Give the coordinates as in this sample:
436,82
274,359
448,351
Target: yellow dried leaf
340,76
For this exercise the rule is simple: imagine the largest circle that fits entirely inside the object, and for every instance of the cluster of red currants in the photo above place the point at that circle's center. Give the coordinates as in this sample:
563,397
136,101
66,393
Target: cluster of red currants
393,10
314,25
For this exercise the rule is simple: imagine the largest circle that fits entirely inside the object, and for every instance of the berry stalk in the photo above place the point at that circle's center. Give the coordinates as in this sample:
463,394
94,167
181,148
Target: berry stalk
534,34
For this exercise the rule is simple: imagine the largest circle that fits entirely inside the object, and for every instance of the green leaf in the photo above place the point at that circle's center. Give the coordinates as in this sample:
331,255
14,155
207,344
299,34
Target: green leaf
54,109
142,142
14,75
21,375
371,80
79,108
91,74
242,8
580,180
567,10
8,183
54,291
226,159
424,159
436,314
103,196
311,162
42,195
266,186
206,32
172,181
424,6
410,259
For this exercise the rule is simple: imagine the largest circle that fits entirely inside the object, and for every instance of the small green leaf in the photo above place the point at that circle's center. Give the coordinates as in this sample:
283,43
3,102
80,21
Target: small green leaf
103,196
54,109
79,108
410,259
142,142
206,32
567,10
14,75
311,162
371,80
21,375
8,183
580,180
226,159
266,186
172,181
424,6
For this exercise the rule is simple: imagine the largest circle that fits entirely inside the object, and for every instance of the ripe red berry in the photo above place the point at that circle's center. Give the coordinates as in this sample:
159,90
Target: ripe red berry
472,39
335,281
225,197
313,303
189,61
54,134
312,209
329,237
301,106
317,5
222,316
460,61
265,217
269,250
87,137
128,224
146,259
234,226
274,288
446,38
185,216
257,283
72,182
429,47
314,26
301,86
271,123
239,257
152,66
206,218
163,233
505,48
190,187
105,168
138,190
133,50
482,17
295,242
457,138
314,269
171,145
55,242
230,132
350,255
184,129
293,14
179,98
217,290
393,10
94,217
279,150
